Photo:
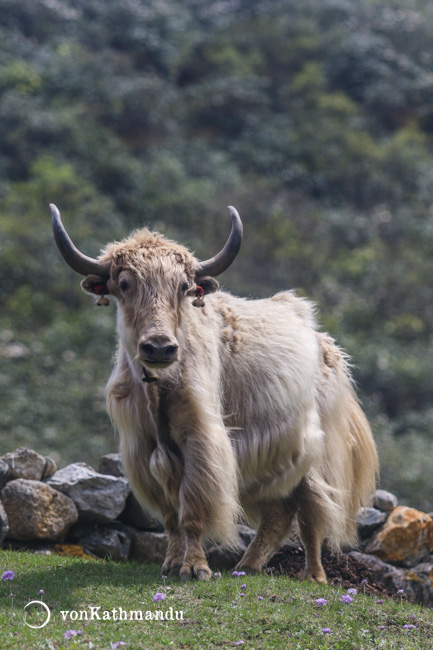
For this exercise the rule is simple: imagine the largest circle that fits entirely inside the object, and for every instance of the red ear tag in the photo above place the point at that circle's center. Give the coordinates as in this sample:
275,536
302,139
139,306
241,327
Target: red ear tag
199,292
100,289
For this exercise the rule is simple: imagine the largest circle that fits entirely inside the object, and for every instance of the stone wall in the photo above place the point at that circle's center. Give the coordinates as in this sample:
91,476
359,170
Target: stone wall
95,513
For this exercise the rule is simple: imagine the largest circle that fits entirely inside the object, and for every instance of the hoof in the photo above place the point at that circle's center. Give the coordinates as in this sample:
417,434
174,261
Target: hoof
249,570
200,573
203,575
185,574
319,578
174,571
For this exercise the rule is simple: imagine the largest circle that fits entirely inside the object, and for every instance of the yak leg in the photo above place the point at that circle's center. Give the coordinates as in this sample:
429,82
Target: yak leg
311,520
208,506
194,561
192,515
274,526
176,545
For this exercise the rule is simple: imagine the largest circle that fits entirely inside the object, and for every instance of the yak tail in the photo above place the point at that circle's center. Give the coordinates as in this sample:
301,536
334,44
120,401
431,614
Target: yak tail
364,465
350,465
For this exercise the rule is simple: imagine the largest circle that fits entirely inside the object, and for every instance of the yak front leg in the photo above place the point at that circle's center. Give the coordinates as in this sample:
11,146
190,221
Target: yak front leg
194,562
176,545
208,504
192,519
273,528
207,500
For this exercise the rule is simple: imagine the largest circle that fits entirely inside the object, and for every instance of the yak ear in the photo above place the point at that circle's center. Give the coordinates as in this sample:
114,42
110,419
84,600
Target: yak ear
208,284
95,285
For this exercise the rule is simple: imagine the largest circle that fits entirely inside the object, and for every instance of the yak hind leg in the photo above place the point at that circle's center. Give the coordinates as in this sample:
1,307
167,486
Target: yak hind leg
312,541
312,522
274,527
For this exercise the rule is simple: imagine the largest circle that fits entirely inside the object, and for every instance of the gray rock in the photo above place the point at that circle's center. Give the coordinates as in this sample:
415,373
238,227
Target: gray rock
419,585
24,463
4,473
134,515
149,547
37,511
50,467
111,464
222,559
246,534
99,498
4,525
369,520
416,582
383,500
388,575
110,541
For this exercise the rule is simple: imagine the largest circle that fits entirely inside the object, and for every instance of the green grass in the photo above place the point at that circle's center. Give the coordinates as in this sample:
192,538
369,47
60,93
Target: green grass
215,615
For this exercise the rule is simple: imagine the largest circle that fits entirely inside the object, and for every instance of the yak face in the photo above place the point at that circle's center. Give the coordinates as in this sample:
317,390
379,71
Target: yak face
151,278
149,315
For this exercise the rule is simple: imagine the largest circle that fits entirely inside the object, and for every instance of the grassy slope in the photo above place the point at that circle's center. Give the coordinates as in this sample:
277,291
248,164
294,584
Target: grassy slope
215,615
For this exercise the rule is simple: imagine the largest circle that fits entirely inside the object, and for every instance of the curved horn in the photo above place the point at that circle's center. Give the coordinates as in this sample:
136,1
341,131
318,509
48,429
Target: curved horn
76,260
222,260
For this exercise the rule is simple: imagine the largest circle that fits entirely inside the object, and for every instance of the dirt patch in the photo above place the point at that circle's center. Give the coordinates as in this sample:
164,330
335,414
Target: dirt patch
342,570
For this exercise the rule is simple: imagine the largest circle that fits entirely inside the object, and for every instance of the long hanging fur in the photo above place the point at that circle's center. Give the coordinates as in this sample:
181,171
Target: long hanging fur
259,408
350,464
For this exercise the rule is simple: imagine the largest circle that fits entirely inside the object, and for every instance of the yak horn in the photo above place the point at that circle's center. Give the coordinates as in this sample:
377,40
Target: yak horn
76,260
222,260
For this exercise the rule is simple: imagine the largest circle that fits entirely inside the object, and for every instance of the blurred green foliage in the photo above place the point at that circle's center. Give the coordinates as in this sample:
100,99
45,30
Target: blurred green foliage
314,119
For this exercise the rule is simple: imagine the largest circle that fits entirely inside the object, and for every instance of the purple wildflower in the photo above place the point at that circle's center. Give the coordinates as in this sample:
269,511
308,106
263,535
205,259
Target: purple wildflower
326,630
379,601
8,575
242,595
381,627
70,633
164,578
364,582
352,592
346,599
321,601
409,627
400,591
158,596
259,597
217,574
243,586
117,644
238,574
239,642
41,592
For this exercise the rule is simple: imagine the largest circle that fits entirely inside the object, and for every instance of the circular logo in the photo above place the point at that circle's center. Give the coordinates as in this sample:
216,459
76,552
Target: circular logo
37,610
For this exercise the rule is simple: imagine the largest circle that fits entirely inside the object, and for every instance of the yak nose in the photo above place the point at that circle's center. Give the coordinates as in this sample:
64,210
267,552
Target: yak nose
158,349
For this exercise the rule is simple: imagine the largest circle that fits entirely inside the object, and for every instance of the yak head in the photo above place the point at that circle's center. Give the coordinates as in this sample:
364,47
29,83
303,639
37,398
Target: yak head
150,277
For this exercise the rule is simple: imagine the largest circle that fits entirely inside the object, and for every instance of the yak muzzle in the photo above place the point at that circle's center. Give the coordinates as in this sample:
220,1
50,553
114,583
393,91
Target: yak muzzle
158,351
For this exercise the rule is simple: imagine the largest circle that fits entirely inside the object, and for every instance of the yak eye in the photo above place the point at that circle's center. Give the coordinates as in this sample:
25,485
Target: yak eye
123,285
185,286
